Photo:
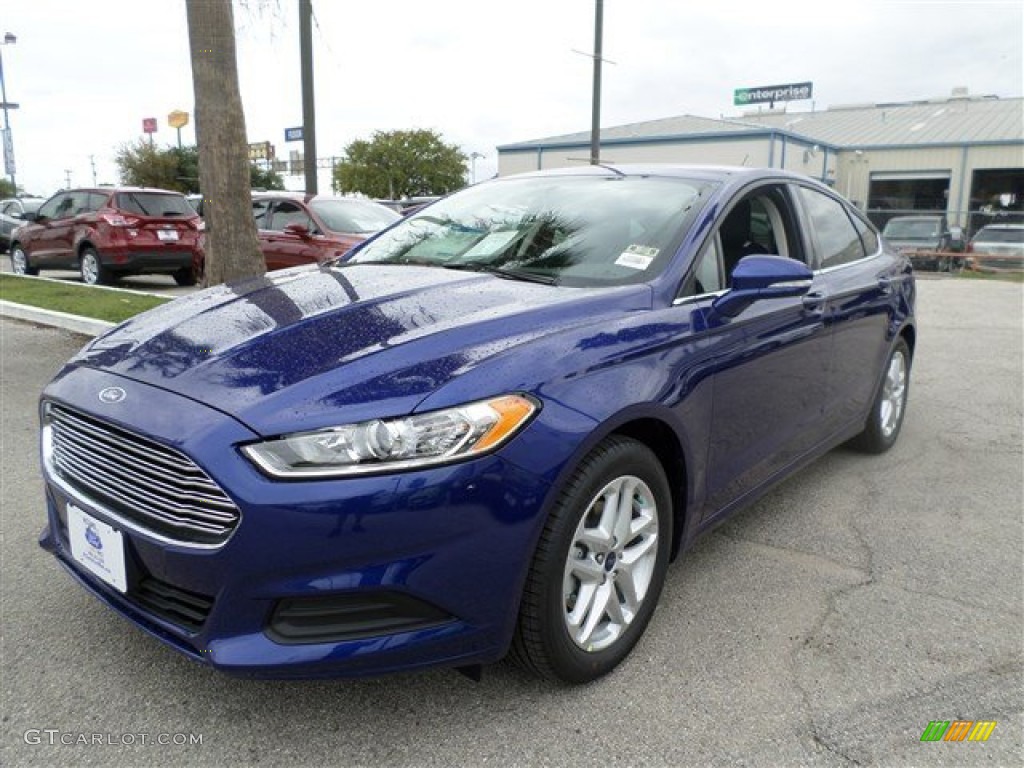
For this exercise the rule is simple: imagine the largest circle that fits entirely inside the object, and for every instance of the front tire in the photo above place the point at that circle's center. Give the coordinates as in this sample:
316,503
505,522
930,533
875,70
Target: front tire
599,566
92,270
19,262
890,405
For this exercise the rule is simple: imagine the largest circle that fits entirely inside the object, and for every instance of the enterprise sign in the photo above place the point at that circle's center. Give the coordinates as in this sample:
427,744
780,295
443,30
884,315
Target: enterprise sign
772,93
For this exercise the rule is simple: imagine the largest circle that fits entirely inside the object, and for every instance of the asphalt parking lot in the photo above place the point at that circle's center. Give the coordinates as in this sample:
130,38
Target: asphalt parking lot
162,285
827,625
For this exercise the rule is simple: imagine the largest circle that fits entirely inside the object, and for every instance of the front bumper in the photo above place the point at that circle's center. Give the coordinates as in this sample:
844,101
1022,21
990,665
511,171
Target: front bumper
441,553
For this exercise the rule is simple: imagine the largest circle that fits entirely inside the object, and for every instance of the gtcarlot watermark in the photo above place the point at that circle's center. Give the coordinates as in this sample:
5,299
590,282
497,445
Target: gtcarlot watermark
55,736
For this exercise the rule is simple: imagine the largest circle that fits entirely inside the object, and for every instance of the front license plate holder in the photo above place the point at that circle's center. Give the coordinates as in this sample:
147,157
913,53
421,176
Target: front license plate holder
97,547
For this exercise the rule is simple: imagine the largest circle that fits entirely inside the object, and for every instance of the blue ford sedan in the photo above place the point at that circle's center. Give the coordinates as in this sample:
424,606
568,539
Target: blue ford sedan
486,433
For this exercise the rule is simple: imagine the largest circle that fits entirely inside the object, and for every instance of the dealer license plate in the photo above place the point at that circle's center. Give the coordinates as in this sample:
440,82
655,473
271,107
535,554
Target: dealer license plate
97,547
167,234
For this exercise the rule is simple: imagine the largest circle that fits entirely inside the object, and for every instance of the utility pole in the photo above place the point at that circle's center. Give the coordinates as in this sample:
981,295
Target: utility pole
67,178
92,162
8,140
595,118
308,109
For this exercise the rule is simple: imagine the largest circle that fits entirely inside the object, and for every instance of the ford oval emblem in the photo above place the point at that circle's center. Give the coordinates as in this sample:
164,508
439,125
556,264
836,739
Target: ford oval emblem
93,537
112,395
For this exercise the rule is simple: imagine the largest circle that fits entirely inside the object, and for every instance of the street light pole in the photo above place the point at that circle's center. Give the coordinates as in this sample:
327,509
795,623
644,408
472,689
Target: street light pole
8,152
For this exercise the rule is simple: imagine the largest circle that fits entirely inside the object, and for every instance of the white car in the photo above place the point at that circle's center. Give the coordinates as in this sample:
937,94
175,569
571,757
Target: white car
998,247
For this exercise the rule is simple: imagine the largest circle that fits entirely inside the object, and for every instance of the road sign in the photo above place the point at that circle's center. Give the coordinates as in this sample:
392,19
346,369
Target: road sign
261,150
771,93
177,119
149,125
293,134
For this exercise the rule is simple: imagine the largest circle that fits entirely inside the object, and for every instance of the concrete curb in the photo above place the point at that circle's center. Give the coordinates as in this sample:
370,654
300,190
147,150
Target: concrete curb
83,325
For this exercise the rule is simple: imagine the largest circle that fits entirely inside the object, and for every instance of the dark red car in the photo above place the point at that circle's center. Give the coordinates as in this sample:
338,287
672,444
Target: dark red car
110,232
295,228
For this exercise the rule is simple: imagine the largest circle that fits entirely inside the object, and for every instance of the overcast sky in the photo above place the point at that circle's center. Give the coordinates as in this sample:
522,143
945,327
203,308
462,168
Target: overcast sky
483,74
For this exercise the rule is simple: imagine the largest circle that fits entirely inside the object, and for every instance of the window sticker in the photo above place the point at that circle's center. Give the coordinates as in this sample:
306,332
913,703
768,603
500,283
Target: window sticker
637,257
492,244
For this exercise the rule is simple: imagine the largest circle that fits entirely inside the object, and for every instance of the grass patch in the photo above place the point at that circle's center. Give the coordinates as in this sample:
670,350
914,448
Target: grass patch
76,299
1010,277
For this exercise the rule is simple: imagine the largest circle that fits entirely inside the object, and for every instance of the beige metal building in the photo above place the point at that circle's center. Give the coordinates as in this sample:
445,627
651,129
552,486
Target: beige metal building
962,155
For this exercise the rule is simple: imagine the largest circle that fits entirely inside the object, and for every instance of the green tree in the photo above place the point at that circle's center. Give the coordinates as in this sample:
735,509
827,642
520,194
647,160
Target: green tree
6,188
397,164
145,165
264,178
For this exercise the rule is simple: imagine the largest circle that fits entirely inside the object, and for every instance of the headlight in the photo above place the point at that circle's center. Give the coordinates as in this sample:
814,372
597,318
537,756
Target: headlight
391,445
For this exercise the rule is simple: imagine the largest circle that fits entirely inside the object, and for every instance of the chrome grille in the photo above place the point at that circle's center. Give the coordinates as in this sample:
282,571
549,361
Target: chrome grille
155,487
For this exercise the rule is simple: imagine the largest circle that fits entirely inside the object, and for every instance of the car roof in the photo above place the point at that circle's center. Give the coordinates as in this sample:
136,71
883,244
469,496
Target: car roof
282,194
695,171
1002,226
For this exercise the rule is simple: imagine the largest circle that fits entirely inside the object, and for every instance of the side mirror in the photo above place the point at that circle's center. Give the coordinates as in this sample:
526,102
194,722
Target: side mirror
763,277
28,216
298,229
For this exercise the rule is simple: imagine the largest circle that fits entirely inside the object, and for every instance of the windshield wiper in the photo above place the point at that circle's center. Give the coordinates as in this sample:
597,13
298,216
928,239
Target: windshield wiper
508,274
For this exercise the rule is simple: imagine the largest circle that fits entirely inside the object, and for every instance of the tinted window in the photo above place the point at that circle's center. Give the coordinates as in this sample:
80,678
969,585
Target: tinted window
56,203
97,200
592,230
868,236
259,213
837,240
286,213
153,204
355,216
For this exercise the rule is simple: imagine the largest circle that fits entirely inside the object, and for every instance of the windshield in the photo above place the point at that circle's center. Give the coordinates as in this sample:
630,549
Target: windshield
31,206
355,216
581,230
912,229
1000,235
154,204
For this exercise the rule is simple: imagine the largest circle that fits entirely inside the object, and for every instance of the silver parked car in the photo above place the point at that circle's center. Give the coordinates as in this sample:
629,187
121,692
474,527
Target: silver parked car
998,246
11,211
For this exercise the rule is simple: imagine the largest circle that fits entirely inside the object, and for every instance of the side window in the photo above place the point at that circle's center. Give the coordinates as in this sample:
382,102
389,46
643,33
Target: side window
97,200
79,203
50,207
868,236
61,206
761,222
707,277
286,213
11,208
259,213
837,240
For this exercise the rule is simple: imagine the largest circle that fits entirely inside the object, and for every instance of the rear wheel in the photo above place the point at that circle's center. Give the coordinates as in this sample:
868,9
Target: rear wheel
886,417
186,276
599,566
19,262
93,272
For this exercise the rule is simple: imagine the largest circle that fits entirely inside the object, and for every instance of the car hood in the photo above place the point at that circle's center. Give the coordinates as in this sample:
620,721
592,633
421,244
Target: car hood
309,347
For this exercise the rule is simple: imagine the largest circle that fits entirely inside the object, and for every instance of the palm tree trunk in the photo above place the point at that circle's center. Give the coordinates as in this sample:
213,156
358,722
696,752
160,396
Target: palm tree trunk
232,248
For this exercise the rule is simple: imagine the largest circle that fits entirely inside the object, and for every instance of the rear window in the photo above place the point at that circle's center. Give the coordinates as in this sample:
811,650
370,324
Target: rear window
1001,235
912,229
153,204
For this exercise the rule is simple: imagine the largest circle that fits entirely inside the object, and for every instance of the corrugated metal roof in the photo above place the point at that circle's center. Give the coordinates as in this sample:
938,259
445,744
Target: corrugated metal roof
947,121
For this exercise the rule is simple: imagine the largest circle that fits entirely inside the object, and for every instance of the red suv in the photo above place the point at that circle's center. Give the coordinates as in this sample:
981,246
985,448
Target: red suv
111,232
295,228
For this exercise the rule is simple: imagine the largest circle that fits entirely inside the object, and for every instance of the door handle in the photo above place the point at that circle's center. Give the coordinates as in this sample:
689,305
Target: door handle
814,301
885,284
